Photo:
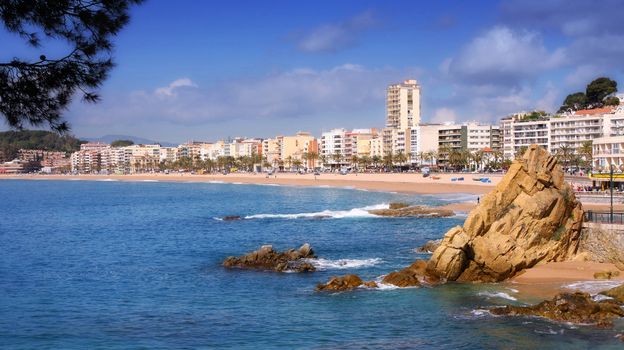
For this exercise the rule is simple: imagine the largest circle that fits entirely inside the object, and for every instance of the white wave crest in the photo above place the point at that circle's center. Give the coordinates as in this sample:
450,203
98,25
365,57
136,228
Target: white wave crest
501,295
326,264
457,197
106,180
216,182
149,180
593,287
326,214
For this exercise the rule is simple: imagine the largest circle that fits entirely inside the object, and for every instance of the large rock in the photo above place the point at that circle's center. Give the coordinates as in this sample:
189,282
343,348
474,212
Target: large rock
344,283
416,211
531,216
265,258
576,307
412,276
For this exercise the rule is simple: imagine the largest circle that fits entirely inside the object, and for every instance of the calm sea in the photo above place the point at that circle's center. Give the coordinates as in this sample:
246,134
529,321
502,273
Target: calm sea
122,265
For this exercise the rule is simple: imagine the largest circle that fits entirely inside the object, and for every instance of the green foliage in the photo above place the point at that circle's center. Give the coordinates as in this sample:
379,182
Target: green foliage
575,101
596,95
599,89
36,90
12,141
535,115
122,143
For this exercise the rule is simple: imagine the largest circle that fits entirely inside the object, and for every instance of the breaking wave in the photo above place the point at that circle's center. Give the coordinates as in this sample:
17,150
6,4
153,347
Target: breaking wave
501,295
325,214
593,287
326,264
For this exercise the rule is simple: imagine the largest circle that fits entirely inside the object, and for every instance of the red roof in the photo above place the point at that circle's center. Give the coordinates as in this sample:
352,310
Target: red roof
487,150
594,111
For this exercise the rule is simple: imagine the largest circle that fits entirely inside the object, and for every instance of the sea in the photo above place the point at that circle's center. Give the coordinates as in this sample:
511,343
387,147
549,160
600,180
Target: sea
137,265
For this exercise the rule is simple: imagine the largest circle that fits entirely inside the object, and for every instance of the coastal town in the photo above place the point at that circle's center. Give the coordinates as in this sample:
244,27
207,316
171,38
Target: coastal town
586,141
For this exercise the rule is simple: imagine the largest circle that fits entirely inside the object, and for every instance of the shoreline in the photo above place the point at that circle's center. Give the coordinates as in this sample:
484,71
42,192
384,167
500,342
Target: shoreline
412,183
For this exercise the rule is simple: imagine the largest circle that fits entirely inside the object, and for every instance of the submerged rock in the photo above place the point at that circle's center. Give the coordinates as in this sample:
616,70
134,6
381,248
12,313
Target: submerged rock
616,293
531,216
430,246
569,307
344,283
412,276
413,211
231,218
265,258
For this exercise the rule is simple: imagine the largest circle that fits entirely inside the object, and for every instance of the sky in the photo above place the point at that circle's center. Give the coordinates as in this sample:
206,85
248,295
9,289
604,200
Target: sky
207,70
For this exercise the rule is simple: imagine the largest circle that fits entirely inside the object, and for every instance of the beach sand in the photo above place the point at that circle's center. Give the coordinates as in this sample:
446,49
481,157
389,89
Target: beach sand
401,183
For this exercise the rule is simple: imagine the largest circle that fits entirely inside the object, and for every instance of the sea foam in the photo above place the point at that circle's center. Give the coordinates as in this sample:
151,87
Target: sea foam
501,295
339,264
329,214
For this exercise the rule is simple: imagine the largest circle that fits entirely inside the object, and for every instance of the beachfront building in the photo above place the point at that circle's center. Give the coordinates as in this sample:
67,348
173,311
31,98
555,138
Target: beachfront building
376,147
403,105
294,149
357,142
15,166
271,151
94,146
574,129
146,158
50,161
333,147
607,151
519,131
86,162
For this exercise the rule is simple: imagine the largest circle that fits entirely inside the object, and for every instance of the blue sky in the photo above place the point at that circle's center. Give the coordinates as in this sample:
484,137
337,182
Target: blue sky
204,70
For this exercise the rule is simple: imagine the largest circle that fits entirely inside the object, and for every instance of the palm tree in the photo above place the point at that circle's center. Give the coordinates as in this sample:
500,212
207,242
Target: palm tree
354,160
312,156
376,160
565,153
365,161
323,159
289,162
400,158
297,164
586,151
337,157
478,159
388,159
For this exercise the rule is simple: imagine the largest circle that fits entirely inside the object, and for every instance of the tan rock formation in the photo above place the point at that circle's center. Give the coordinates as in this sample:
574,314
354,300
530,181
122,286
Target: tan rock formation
343,283
412,276
265,258
576,307
416,211
531,216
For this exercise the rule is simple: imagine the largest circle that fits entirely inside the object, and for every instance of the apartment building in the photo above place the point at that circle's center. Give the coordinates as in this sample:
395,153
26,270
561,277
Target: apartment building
517,132
403,105
86,161
271,150
293,148
608,151
332,146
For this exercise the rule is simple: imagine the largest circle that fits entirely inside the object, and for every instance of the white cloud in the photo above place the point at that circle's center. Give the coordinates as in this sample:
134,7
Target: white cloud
504,57
335,36
551,100
443,115
170,90
352,92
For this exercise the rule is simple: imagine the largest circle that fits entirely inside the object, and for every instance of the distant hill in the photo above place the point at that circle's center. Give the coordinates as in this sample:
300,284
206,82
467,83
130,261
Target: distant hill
135,139
12,141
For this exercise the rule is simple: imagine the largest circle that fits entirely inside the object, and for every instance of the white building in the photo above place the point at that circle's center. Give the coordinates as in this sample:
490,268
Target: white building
518,132
403,105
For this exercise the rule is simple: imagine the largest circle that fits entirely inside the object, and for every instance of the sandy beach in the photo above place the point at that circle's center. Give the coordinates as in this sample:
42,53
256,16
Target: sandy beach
402,183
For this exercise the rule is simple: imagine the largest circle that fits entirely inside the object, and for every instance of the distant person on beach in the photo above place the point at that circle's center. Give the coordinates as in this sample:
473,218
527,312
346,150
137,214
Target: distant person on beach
477,200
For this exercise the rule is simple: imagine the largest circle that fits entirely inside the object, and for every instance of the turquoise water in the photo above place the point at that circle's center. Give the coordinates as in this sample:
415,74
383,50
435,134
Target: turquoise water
122,265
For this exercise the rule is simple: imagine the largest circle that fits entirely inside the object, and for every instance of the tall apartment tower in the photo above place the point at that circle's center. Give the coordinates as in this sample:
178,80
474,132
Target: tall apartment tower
403,105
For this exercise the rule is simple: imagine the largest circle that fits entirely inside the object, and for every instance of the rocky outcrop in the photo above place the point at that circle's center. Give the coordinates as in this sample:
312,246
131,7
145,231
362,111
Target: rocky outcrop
603,243
231,218
616,293
429,247
416,211
412,276
344,283
531,216
265,258
577,308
